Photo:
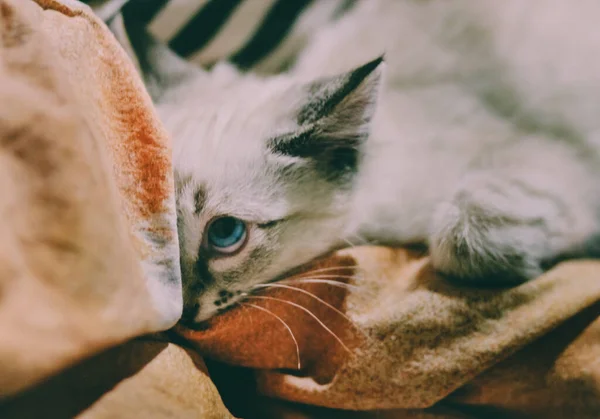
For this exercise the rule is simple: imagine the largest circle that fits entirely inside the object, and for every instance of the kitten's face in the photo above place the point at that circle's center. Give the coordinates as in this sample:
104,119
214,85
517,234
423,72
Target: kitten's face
265,170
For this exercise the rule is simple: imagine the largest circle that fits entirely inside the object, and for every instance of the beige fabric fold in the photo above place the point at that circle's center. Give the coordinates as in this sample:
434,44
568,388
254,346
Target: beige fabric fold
89,248
145,378
402,337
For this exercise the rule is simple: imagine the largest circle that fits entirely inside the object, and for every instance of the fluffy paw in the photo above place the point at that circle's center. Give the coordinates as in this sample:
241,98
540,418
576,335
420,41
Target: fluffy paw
471,243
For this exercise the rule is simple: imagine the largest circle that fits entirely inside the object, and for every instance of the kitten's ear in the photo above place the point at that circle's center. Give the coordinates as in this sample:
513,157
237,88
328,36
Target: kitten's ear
335,119
159,67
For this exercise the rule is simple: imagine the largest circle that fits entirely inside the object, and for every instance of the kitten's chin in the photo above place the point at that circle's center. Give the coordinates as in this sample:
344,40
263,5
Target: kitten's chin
197,326
200,321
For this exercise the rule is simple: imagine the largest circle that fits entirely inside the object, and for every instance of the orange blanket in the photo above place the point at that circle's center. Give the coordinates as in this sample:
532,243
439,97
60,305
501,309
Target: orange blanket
386,332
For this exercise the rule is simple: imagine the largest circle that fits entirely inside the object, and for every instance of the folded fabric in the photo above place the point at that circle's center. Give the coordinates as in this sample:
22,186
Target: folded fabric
89,249
89,257
143,378
375,328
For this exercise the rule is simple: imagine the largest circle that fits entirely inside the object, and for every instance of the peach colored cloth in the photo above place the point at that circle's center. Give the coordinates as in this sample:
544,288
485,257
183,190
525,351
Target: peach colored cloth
89,248
143,378
407,339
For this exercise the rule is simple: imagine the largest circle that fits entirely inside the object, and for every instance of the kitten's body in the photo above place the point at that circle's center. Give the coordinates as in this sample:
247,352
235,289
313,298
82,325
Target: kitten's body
484,144
507,88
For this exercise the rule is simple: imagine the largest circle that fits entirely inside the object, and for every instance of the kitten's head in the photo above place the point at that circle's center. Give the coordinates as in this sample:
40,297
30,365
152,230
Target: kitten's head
265,171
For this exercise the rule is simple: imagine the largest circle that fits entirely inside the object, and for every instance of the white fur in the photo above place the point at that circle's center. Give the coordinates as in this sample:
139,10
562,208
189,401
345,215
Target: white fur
438,130
486,136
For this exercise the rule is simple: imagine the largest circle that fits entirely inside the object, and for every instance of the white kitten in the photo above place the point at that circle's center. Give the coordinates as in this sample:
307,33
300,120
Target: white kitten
483,144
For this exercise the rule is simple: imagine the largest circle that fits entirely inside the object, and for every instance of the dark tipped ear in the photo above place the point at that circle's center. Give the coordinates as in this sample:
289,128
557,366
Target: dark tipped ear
335,119
354,94
159,67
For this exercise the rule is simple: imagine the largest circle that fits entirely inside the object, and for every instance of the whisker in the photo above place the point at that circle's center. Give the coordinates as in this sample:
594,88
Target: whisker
321,281
349,243
289,329
313,296
361,240
328,269
310,294
327,276
307,311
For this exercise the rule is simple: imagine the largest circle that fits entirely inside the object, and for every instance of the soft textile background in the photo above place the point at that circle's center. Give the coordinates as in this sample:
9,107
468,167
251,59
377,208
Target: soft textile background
89,262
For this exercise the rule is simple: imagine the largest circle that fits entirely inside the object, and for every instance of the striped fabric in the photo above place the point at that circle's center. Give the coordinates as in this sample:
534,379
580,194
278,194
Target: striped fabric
258,35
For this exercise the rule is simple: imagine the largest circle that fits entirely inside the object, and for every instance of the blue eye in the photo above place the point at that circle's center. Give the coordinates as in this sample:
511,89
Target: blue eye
226,234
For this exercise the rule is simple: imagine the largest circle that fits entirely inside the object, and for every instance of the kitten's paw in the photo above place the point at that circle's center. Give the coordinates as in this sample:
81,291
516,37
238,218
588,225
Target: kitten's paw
471,244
